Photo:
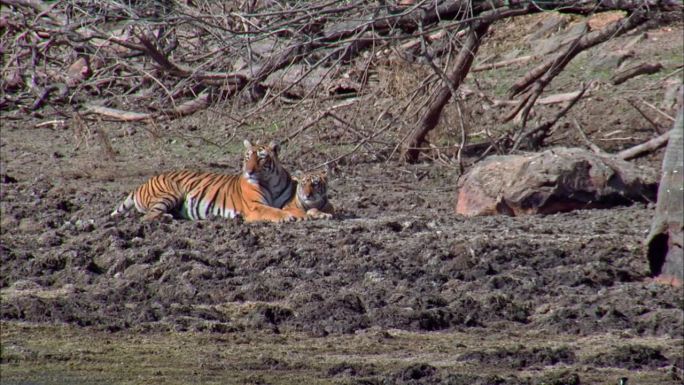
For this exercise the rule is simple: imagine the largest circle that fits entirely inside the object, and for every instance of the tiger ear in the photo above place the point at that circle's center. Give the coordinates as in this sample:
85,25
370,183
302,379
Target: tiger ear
298,175
274,146
323,174
248,144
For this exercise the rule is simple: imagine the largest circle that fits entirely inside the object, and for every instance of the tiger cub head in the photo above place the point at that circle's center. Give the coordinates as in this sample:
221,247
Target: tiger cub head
312,189
260,162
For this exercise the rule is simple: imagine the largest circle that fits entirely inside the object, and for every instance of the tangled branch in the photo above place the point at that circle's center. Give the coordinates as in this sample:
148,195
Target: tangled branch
172,58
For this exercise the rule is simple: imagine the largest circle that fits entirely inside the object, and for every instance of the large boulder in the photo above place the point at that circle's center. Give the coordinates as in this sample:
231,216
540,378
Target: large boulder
556,180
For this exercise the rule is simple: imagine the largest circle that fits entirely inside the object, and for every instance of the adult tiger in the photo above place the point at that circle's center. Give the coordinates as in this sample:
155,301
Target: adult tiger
256,194
310,200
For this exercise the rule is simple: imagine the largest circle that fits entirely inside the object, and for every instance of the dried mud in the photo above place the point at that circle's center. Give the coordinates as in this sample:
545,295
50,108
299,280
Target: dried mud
395,258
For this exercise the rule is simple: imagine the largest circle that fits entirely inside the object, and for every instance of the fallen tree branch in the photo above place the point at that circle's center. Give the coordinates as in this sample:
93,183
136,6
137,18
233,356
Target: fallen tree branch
503,63
564,97
541,76
206,46
317,119
153,52
551,99
655,126
39,6
658,110
187,108
596,149
641,69
120,115
538,80
645,147
540,132
556,64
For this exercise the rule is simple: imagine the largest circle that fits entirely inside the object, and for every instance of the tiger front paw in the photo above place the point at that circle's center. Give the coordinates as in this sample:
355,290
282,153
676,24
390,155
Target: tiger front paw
158,216
287,218
318,214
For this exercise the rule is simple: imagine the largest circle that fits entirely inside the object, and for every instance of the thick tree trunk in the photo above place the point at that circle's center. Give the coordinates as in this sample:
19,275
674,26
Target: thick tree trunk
665,242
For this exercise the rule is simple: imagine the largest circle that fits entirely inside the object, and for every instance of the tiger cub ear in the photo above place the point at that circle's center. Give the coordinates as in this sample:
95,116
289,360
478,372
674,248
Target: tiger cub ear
323,174
298,175
274,146
248,144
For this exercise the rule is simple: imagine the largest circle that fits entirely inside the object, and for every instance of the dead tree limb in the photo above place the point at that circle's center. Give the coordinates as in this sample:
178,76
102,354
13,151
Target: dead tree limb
461,67
539,84
596,149
539,133
638,150
196,43
542,75
120,115
39,6
503,63
166,64
656,109
554,66
655,126
641,69
187,108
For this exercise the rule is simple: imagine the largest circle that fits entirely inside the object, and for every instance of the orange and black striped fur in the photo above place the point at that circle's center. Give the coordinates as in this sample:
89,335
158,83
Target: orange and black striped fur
310,200
256,194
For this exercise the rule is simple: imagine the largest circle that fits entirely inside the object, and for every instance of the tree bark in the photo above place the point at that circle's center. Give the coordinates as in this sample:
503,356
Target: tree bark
456,77
665,242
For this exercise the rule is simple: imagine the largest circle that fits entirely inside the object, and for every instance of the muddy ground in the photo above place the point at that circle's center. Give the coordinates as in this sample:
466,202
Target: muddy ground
396,289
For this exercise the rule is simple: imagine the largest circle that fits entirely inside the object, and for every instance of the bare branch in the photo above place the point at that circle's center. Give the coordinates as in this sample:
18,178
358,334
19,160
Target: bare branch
540,132
458,73
645,147
643,68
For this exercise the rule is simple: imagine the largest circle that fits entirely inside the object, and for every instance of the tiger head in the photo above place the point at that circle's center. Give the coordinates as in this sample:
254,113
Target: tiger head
260,162
312,189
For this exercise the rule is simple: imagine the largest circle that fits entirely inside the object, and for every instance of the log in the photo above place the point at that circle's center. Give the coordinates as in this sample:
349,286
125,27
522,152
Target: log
641,69
124,116
648,146
504,63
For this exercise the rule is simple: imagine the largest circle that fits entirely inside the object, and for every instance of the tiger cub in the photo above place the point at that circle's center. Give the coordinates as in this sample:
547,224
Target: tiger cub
256,194
310,200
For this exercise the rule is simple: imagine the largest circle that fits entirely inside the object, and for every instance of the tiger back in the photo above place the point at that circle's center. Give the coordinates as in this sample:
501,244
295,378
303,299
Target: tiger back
310,200
256,194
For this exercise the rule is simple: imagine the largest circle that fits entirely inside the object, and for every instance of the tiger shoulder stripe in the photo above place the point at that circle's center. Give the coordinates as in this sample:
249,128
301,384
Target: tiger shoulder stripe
256,194
310,200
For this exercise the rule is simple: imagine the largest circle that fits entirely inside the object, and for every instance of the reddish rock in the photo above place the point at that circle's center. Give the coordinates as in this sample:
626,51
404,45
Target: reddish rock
556,180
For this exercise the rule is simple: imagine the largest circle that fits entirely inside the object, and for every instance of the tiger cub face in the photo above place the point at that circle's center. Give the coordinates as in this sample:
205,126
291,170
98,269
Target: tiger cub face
312,189
260,161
